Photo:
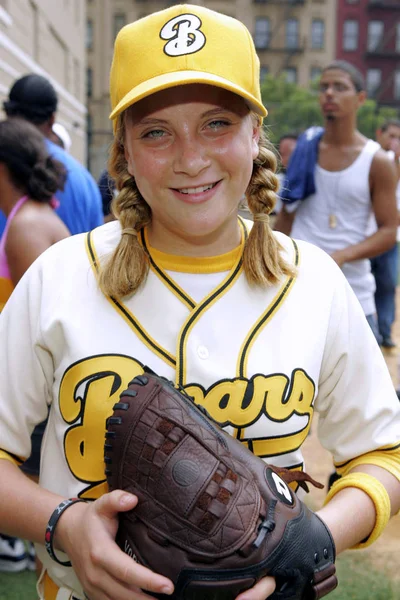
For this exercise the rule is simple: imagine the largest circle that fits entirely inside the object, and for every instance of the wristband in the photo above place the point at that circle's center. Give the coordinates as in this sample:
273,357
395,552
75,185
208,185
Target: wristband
378,494
51,528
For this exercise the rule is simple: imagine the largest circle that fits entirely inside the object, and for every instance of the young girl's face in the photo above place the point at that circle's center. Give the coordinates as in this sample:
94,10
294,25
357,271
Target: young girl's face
191,150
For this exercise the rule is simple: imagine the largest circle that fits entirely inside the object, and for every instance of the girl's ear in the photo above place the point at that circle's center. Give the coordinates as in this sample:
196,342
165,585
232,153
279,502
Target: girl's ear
129,164
255,137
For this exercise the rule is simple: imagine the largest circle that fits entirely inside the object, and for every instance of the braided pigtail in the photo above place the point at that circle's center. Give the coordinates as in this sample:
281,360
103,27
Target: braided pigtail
262,260
126,268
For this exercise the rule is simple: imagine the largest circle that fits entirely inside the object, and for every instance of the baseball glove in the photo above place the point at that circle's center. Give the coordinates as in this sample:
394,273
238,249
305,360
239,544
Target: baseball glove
211,516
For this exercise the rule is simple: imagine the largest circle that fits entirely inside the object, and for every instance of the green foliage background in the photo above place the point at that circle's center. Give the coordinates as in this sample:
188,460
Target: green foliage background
292,108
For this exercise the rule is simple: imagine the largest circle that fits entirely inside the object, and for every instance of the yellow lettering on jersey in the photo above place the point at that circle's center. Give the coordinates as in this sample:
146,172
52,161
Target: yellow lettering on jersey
225,402
299,400
88,393
240,403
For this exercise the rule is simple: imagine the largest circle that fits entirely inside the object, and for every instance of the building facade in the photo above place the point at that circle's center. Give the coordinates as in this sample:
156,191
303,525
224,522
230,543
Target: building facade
368,36
295,38
48,37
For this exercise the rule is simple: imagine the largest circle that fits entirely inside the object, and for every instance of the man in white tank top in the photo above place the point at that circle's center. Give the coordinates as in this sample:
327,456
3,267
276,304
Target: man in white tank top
385,266
353,178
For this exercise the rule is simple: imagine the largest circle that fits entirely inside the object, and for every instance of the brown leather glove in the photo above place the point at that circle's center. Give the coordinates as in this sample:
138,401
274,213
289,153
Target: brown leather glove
211,516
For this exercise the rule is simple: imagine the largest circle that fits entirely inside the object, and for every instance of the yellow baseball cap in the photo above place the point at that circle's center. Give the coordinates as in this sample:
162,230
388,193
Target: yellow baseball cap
180,45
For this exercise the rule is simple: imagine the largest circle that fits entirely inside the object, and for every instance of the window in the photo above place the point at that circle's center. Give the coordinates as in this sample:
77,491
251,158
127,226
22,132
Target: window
374,79
315,73
89,82
119,22
317,34
262,33
375,34
350,35
397,85
292,33
263,72
89,34
290,74
398,37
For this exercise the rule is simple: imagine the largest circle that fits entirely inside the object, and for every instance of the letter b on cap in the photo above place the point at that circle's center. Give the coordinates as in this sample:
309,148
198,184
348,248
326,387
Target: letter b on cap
184,35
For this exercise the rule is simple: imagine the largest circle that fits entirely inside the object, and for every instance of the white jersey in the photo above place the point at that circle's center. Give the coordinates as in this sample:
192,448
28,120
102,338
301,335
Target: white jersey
337,216
260,360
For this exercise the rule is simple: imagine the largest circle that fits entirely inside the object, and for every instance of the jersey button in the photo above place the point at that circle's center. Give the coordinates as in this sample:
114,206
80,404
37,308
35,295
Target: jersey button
203,352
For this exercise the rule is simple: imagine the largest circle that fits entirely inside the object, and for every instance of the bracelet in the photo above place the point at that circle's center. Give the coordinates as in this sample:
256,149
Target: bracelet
378,494
51,528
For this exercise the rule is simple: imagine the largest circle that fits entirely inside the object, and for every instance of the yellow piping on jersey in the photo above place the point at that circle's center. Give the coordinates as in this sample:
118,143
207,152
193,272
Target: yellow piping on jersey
276,303
126,313
12,458
158,270
160,262
267,447
387,458
204,305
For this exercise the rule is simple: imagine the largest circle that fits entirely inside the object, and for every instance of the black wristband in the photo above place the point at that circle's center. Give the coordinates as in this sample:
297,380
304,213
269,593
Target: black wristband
51,528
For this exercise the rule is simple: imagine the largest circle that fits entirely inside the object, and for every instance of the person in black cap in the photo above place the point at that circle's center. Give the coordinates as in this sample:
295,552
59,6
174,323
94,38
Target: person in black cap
33,97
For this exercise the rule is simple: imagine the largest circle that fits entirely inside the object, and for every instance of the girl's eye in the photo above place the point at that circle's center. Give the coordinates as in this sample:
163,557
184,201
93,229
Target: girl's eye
217,123
154,134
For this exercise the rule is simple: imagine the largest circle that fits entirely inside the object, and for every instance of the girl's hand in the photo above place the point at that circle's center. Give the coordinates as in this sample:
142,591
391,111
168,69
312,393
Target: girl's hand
86,532
262,590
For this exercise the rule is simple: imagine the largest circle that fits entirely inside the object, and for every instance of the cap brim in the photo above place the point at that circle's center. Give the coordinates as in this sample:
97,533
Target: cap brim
168,80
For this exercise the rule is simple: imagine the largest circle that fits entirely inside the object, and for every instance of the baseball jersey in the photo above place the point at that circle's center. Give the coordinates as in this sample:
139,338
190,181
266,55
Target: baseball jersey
261,360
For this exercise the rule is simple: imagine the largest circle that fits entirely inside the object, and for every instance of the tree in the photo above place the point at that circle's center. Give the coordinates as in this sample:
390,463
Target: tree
292,109
371,117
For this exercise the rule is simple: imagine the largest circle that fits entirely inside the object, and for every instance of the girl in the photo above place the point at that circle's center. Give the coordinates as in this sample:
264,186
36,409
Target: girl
259,329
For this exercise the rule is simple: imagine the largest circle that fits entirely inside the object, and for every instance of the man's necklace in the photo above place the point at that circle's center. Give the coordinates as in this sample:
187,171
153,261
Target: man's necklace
332,218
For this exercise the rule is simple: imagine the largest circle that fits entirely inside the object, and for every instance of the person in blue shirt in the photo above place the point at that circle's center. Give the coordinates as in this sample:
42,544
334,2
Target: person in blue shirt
32,97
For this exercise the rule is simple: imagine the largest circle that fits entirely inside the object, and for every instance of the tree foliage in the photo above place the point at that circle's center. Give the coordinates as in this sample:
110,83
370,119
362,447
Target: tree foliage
292,109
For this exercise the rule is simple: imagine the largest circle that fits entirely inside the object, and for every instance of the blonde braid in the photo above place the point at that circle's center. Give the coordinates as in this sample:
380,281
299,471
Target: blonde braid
262,260
123,272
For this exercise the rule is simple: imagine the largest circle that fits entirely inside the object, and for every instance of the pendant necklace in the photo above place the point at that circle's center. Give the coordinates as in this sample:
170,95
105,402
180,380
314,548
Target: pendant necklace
332,219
